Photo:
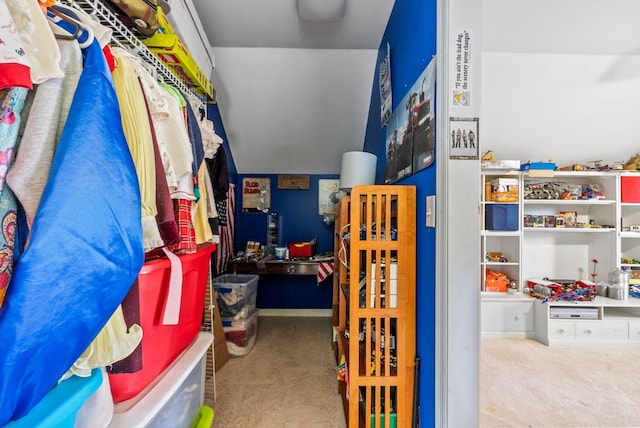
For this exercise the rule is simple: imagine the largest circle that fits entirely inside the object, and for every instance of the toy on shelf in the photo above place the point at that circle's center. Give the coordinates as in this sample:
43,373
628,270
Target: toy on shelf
564,290
490,163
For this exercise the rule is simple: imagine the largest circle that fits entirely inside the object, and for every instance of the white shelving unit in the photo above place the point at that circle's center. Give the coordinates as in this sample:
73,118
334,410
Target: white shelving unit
568,253
617,324
607,234
507,242
503,314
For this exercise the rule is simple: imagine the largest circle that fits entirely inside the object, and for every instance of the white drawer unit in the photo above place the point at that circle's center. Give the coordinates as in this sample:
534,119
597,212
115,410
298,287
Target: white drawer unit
616,330
512,318
588,330
561,330
601,322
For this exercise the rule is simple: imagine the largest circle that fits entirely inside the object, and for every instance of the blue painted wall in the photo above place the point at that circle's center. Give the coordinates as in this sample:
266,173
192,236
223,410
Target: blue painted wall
411,34
213,113
299,222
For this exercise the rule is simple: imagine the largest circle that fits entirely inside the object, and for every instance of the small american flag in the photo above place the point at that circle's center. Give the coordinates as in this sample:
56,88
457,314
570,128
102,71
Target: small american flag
224,251
324,270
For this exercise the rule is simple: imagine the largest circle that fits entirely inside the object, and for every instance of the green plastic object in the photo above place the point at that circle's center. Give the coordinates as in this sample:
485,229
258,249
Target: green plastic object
59,407
204,418
392,419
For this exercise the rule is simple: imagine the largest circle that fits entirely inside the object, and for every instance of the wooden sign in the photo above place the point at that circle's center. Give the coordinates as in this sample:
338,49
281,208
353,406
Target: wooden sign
293,182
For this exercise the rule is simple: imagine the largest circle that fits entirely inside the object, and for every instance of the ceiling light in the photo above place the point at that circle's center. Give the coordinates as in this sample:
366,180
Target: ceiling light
321,10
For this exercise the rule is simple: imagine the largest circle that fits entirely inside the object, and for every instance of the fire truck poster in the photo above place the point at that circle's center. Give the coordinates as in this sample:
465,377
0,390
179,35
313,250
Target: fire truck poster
256,195
384,77
463,138
410,137
462,70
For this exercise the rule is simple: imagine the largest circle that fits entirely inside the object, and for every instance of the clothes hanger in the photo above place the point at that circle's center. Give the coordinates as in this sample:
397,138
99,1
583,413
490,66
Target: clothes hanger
80,28
75,24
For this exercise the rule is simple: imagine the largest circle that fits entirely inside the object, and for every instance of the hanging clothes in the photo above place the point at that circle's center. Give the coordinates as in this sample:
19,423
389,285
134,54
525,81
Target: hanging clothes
85,250
37,39
11,105
219,174
178,144
171,134
114,342
165,217
184,217
195,136
201,215
137,130
185,196
15,68
210,142
47,115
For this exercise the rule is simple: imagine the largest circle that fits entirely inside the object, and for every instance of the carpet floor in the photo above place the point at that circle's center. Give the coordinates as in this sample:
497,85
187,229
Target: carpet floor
524,383
287,380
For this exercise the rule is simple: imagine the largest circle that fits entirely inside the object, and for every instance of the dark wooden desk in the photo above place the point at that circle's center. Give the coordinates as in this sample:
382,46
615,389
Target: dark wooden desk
274,267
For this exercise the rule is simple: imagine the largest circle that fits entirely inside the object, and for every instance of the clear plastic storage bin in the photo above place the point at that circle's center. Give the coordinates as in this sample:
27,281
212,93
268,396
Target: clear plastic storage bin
241,335
236,295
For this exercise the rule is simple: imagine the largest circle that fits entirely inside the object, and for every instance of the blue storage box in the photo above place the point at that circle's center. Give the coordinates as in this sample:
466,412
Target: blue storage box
60,406
501,217
551,166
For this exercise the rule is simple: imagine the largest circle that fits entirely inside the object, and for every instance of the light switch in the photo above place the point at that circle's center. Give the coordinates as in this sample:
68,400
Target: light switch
431,211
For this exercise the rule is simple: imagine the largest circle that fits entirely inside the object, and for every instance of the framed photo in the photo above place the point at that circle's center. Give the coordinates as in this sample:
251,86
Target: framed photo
329,194
256,195
463,138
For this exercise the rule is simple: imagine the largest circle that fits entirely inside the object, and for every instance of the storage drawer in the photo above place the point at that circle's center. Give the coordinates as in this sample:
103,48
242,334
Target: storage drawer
501,217
561,330
615,330
629,189
588,330
507,317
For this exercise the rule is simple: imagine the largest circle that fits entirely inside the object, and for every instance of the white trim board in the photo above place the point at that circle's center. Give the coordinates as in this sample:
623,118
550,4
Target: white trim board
295,312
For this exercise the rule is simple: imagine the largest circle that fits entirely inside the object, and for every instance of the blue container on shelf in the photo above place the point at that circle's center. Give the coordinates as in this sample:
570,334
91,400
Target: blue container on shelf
501,217
60,406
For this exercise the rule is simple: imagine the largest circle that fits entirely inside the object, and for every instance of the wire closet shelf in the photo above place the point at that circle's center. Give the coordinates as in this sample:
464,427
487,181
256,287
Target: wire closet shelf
124,38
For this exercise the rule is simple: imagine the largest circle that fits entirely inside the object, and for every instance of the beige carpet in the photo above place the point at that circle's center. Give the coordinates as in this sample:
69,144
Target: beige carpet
287,380
527,384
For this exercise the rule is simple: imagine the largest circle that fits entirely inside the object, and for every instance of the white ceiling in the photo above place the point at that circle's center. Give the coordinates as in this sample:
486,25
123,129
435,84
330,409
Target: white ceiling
276,24
293,94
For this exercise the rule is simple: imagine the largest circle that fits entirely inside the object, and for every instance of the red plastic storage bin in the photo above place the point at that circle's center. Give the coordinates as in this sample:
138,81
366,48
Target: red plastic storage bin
161,344
629,189
302,249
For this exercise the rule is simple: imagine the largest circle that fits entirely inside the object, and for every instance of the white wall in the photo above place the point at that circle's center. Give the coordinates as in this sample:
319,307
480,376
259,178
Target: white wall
316,100
561,80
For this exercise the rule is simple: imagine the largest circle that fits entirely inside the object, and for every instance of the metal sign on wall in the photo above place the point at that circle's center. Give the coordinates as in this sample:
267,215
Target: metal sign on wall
256,195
